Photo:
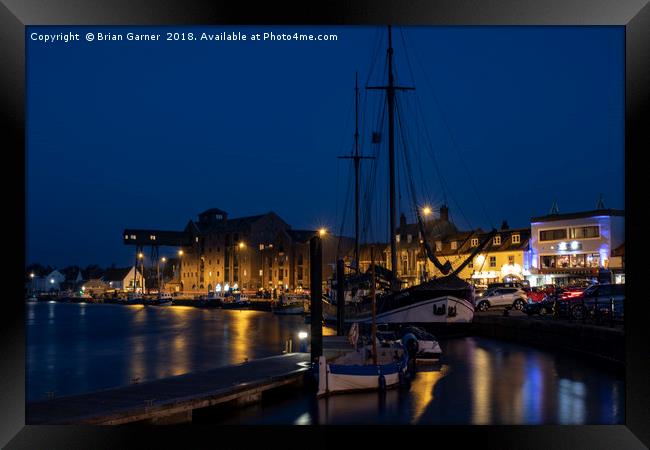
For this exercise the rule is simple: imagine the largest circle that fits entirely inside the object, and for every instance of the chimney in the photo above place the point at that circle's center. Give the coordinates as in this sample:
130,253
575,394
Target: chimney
402,223
444,213
504,225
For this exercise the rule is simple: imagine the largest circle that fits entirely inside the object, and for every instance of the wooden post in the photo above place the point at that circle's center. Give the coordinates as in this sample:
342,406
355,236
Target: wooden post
340,297
316,288
373,334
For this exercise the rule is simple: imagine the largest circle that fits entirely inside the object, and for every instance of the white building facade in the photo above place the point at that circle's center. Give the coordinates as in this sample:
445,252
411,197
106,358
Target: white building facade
571,247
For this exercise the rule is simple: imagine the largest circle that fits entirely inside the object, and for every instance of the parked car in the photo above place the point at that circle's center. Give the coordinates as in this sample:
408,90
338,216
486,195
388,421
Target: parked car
537,294
598,295
546,306
502,297
570,292
524,286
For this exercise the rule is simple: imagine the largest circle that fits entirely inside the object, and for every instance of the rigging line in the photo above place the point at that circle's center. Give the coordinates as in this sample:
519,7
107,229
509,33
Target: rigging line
453,140
345,208
426,130
370,188
373,55
341,145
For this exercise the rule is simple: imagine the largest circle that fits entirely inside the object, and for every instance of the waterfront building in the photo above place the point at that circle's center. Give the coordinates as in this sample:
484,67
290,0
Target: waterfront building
252,253
50,282
505,258
579,246
123,279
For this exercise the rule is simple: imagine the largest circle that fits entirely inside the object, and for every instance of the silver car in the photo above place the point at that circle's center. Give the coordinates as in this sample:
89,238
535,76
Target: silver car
514,297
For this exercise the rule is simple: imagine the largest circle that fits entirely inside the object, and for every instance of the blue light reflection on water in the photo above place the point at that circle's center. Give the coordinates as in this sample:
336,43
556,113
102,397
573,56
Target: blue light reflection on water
73,349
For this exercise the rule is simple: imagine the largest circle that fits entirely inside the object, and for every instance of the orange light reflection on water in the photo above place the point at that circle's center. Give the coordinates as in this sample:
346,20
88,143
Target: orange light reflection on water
423,390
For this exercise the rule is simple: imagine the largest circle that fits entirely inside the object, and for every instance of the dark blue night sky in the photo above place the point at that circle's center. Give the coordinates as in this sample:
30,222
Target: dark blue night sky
149,134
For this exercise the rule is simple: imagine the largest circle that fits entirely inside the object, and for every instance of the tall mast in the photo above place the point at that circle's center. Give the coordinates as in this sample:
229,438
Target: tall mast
390,97
356,169
357,160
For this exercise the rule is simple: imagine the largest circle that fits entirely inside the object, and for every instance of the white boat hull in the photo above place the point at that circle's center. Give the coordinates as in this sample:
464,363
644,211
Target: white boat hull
427,311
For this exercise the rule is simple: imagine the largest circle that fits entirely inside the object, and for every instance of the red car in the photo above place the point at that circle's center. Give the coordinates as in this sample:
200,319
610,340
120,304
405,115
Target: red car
537,294
570,293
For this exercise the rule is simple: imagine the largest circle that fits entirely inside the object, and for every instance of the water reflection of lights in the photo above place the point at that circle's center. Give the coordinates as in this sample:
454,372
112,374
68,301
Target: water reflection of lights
423,394
571,402
240,338
482,380
533,392
180,356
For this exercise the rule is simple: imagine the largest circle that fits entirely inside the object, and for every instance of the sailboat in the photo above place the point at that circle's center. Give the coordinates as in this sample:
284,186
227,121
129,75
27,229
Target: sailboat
446,299
369,366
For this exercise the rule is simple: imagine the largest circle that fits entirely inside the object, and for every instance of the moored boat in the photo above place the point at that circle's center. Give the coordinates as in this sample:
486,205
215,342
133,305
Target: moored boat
289,305
162,299
354,371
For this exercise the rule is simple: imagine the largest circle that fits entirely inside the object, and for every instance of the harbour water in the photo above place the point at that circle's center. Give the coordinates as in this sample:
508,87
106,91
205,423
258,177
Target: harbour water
76,348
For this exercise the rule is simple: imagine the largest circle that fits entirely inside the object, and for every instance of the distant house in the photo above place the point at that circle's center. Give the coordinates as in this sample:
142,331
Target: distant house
48,283
122,279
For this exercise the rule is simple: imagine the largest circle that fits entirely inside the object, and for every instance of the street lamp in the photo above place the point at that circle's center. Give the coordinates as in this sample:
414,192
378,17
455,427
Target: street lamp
141,258
322,232
180,263
161,280
426,211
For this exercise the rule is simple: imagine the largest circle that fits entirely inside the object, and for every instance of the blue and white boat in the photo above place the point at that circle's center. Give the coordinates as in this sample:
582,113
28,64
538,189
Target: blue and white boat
354,371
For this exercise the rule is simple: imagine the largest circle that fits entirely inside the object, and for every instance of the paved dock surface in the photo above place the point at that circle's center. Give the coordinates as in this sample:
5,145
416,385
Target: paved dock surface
171,396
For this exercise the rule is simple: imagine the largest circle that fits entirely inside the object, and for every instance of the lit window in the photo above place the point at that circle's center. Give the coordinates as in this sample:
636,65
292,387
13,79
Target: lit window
497,240
454,245
438,246
397,238
493,261
126,236
133,236
197,239
516,239
152,237
409,238
261,246
474,242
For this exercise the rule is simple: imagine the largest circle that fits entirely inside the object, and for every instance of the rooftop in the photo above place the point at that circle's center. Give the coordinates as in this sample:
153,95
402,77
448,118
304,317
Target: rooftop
578,215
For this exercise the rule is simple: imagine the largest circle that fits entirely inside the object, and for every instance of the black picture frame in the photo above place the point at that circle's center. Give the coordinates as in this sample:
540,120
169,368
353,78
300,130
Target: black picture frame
633,15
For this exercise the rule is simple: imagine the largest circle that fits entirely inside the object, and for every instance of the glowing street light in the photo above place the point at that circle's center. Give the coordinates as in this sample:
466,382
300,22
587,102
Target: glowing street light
426,211
180,253
31,275
322,232
140,255
164,259
242,245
